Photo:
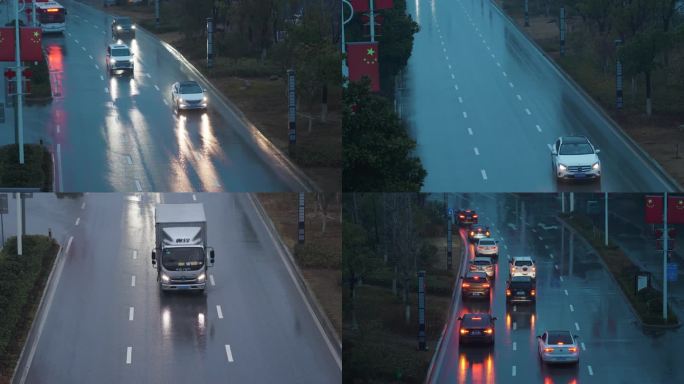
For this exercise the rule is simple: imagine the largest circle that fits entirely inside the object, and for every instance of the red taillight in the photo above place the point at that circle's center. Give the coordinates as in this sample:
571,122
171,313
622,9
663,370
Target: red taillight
487,233
533,292
464,331
474,216
477,318
486,285
51,10
489,331
461,216
473,267
465,285
472,233
508,292
548,350
572,349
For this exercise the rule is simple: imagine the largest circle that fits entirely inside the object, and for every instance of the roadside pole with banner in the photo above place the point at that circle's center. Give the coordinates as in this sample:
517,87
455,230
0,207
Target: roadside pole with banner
4,209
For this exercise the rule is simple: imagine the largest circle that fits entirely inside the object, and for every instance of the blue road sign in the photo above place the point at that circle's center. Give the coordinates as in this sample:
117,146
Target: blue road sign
450,211
671,271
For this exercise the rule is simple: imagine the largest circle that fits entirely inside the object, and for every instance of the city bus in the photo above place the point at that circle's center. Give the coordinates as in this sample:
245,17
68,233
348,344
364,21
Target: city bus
50,15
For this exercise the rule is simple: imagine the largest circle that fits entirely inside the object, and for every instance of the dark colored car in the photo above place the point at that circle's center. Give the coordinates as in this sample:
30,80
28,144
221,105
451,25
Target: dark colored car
476,328
475,284
521,289
466,217
478,232
123,26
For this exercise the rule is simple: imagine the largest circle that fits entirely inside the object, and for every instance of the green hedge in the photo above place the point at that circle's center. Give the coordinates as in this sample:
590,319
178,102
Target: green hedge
22,280
648,303
40,81
35,173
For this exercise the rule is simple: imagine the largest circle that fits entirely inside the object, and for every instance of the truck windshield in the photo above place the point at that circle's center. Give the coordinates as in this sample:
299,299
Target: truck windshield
183,259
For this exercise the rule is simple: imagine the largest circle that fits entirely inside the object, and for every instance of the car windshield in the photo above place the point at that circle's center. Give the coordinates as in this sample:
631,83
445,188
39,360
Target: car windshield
476,277
183,259
559,338
123,22
190,88
482,262
487,242
121,52
576,149
521,284
523,263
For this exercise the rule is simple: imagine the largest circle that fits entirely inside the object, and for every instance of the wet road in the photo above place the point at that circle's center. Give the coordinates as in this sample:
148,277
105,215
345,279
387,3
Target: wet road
108,322
120,133
484,105
574,292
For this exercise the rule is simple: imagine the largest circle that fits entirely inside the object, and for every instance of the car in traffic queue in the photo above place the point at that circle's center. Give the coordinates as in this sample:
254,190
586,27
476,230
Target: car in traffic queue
575,158
123,26
482,264
119,58
487,247
521,289
476,328
522,266
466,217
188,95
475,285
477,232
558,347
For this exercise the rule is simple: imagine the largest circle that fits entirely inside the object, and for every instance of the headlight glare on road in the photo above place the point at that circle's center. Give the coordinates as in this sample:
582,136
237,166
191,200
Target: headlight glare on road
201,277
596,166
562,167
165,278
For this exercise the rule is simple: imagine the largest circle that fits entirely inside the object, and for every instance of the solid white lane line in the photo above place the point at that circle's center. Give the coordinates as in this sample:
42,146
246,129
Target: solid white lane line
138,185
229,353
156,87
484,174
83,205
591,371
465,115
470,131
572,309
477,152
129,352
131,312
528,111
577,326
78,220
220,313
519,97
133,281
583,347
515,346
460,99
106,90
566,292
211,280
538,128
513,371
135,254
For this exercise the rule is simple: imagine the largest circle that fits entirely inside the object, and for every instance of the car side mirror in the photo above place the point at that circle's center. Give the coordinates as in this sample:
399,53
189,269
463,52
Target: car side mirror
597,151
553,151
211,256
575,336
204,89
494,318
154,258
459,318
538,337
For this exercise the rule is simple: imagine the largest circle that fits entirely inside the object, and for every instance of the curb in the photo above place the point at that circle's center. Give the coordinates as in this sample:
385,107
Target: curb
39,310
330,330
641,324
250,133
617,129
455,299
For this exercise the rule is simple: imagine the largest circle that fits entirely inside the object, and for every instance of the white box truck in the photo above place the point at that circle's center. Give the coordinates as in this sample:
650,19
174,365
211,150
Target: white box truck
181,254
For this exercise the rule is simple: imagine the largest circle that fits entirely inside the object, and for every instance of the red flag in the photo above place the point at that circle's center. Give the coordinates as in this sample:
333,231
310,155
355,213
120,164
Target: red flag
675,209
362,59
31,48
7,46
383,4
654,209
364,6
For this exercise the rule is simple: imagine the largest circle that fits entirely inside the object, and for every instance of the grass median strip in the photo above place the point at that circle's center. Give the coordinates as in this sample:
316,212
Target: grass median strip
648,303
22,281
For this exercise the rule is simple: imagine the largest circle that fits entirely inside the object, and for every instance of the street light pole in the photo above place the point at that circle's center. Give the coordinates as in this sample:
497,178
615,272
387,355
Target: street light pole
618,77
605,198
156,13
20,107
20,226
372,20
345,68
665,258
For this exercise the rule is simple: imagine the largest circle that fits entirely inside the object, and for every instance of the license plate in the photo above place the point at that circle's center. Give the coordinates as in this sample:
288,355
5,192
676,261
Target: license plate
183,287
580,175
521,293
475,332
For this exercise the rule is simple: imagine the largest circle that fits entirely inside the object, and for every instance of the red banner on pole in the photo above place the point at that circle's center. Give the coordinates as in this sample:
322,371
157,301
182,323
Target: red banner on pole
362,59
364,5
654,209
383,4
31,47
675,209
7,46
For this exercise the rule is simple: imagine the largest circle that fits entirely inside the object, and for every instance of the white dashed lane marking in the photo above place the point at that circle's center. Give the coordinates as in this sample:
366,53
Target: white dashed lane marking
470,131
477,152
465,115
572,309
566,292
219,312
460,99
577,326
131,312
78,220
133,281
484,174
156,87
129,353
538,127
591,371
229,353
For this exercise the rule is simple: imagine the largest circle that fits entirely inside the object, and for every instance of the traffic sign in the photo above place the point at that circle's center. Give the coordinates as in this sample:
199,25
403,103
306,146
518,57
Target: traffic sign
450,212
671,271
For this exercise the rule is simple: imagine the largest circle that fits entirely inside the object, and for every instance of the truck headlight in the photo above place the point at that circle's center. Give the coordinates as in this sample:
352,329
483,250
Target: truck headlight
201,277
112,61
132,26
118,28
596,166
562,167
165,278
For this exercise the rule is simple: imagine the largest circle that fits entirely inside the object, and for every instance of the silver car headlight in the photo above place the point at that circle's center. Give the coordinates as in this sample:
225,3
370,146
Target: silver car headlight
204,99
562,167
164,278
596,166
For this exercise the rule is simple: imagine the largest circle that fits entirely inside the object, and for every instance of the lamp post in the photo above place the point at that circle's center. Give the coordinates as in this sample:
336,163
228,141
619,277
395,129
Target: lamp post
618,77
20,107
345,67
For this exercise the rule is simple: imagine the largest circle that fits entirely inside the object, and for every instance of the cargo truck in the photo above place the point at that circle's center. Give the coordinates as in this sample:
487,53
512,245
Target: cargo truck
181,254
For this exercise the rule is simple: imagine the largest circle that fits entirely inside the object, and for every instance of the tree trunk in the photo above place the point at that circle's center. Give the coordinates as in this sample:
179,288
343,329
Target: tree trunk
648,93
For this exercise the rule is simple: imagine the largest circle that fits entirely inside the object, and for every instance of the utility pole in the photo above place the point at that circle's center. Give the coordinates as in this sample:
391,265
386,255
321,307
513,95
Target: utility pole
527,14
618,77
20,106
345,68
562,31
20,225
156,13
665,246
605,226
372,20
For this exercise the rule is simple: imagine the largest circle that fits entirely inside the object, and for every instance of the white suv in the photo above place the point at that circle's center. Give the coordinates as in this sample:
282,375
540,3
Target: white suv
119,57
523,266
574,157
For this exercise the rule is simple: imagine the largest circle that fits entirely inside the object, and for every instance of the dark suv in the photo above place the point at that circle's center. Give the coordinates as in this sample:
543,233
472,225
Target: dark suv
476,328
475,284
123,26
521,289
466,217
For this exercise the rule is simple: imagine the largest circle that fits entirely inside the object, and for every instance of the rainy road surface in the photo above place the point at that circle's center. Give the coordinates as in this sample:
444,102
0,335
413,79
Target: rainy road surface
484,106
106,321
574,292
120,133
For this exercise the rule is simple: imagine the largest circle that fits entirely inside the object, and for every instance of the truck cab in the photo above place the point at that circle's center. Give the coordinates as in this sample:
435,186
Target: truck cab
181,255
